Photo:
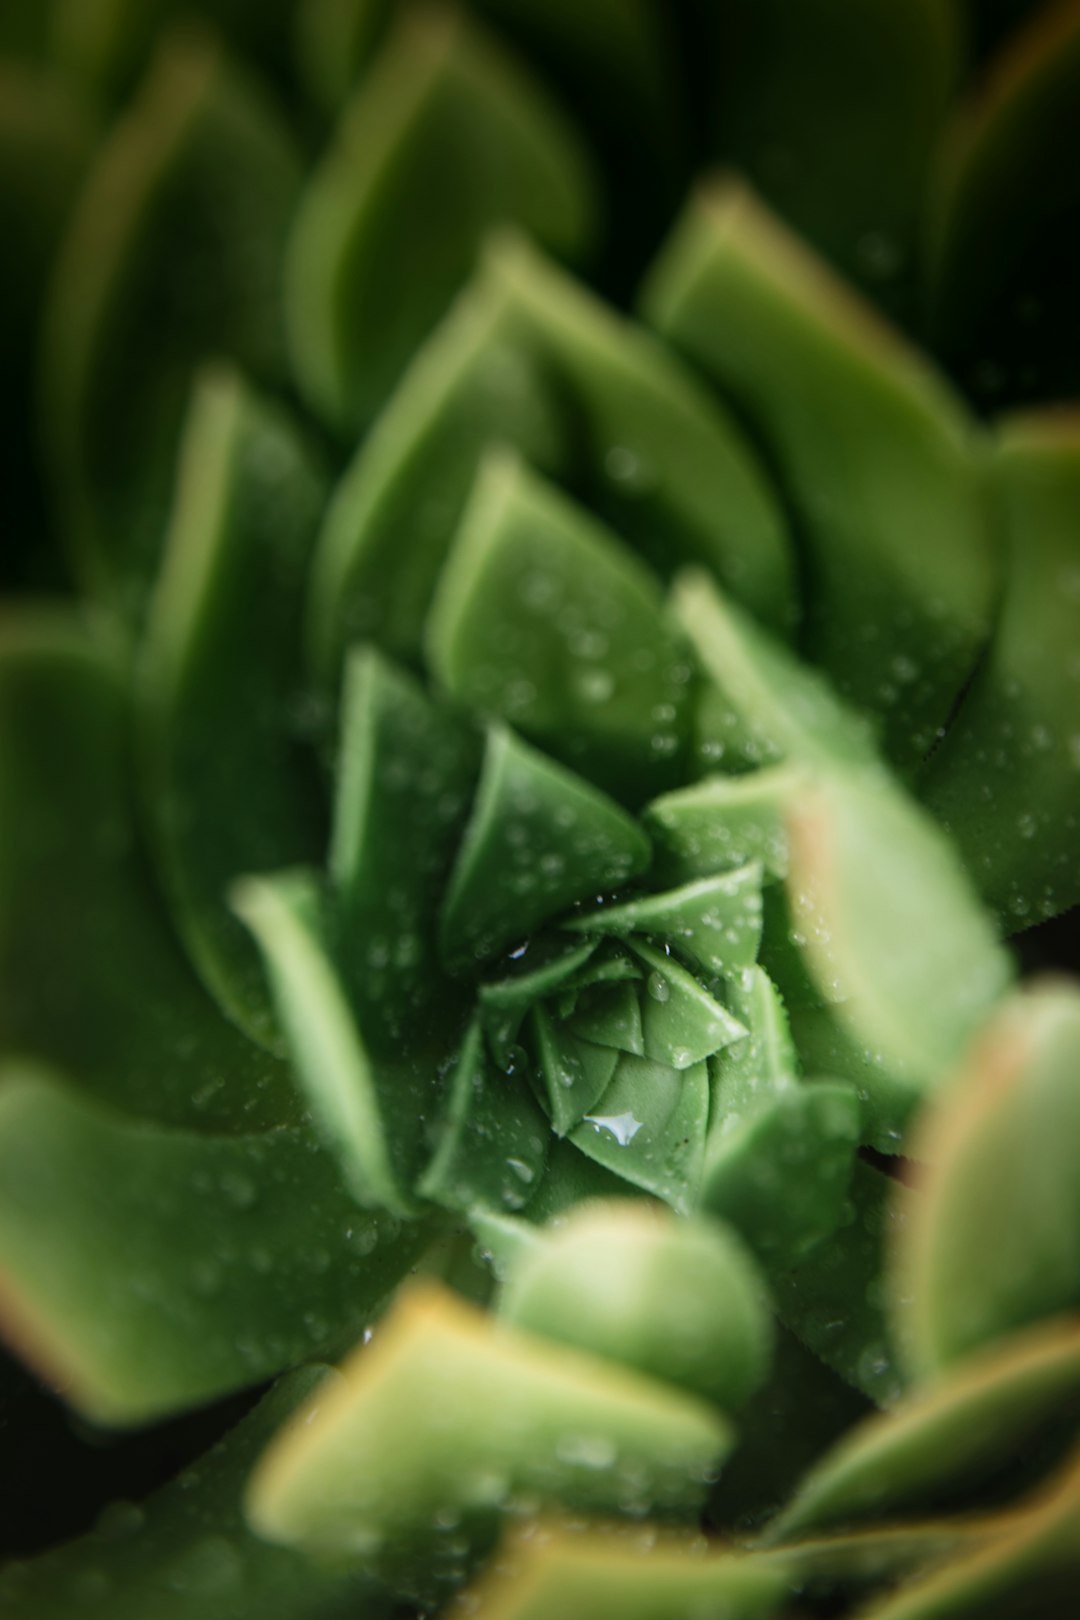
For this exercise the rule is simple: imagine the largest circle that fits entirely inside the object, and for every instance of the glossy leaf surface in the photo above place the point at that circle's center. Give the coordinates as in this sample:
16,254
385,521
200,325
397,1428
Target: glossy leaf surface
543,618
1001,1147
80,923
662,460
576,1072
835,1300
781,1173
538,839
407,770
681,1022
649,1127
448,1412
445,137
893,932
954,1429
877,456
230,785
1029,1563
369,1107
492,1140
716,921
681,1301
394,513
1006,780
722,823
146,1269
578,1573
764,704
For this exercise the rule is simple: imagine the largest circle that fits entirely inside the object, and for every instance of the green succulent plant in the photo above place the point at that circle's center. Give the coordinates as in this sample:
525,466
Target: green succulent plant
539,785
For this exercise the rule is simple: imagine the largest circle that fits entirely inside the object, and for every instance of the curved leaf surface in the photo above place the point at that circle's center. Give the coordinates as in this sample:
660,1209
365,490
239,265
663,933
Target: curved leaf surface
174,252
91,978
445,137
1005,781
543,618
879,460
448,1414
231,787
146,1269
1002,1145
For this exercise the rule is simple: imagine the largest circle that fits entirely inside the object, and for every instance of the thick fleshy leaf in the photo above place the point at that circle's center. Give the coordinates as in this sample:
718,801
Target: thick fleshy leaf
878,458
543,618
187,1553
145,1269
1002,1146
962,1428
833,111
1029,1566
610,964
446,137
762,704
610,65
680,1300
716,920
538,840
579,1573
610,1015
783,952
407,769
1006,779
753,1070
575,1072
174,253
373,1108
890,926
753,1121
527,359
370,1017
449,1415
1005,220
839,1567
572,1177
230,787
538,969
492,1140
781,1173
681,1022
91,978
395,511
835,1301
826,1045
663,462
723,823
649,1128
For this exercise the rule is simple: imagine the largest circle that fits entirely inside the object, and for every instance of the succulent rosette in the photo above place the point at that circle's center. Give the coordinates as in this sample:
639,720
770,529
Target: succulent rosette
539,677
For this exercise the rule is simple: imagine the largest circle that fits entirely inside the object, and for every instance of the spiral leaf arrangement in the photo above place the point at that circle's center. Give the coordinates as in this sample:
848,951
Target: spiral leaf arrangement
538,677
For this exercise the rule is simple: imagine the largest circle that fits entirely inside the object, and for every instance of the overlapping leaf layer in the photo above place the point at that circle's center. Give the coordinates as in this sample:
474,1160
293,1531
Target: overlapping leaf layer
530,708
